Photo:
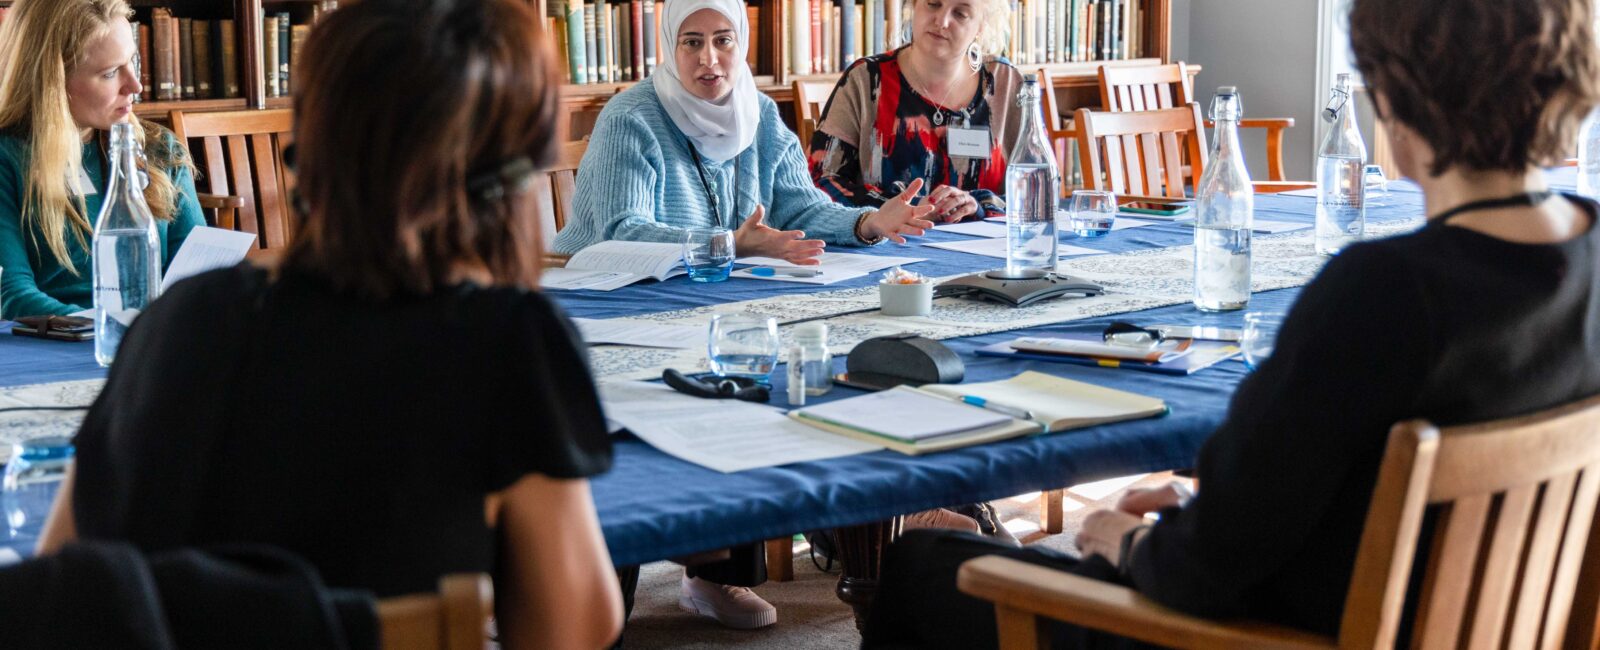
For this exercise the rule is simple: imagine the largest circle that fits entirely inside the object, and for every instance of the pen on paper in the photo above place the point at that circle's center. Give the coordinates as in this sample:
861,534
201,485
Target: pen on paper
769,271
1020,414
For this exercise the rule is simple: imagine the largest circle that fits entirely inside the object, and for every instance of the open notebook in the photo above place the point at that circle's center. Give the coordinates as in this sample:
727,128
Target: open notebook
935,417
615,264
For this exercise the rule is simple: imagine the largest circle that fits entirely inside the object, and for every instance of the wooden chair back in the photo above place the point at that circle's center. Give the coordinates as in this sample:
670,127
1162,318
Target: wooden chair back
1514,561
554,191
809,99
1141,152
240,154
455,618
1144,88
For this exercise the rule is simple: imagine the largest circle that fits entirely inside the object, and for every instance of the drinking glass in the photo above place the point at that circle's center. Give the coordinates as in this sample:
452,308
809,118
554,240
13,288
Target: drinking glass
32,477
1375,185
1093,213
1260,335
708,253
743,345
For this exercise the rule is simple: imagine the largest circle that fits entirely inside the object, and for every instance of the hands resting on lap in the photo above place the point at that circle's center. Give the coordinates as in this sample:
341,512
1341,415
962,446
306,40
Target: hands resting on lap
1103,530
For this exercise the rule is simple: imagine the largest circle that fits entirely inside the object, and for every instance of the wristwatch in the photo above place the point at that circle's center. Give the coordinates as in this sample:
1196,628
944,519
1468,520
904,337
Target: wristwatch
861,220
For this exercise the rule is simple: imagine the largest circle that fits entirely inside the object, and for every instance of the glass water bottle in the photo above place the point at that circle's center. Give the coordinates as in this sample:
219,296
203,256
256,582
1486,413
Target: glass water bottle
1226,208
1033,182
126,252
1341,206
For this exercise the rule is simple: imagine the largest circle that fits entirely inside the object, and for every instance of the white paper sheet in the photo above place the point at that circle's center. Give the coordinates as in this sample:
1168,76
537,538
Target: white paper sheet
205,249
724,435
1310,192
997,248
581,279
840,262
827,277
639,333
975,228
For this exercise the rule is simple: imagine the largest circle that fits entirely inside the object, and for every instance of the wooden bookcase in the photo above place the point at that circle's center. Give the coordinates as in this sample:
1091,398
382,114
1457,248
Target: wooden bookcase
1076,83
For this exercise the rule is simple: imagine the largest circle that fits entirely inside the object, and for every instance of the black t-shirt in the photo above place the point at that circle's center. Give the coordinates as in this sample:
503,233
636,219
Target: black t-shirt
1445,324
360,435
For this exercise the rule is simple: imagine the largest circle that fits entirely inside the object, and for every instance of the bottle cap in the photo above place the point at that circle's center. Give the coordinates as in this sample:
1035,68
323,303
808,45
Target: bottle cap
1029,78
1227,90
123,133
812,331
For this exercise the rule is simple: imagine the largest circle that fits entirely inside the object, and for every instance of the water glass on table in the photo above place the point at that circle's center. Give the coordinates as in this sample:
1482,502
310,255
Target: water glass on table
1375,185
708,253
1092,213
1260,336
32,476
743,345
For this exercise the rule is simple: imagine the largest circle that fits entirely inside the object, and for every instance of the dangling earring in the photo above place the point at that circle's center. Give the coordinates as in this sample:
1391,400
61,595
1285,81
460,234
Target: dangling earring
974,56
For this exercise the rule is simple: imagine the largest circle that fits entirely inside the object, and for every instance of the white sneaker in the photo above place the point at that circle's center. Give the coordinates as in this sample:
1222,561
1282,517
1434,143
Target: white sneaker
735,607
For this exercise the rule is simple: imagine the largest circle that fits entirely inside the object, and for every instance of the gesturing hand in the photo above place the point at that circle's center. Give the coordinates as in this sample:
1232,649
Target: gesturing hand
757,239
951,204
897,217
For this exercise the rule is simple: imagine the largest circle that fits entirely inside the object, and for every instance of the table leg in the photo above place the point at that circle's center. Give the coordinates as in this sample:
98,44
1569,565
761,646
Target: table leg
780,559
1050,511
861,557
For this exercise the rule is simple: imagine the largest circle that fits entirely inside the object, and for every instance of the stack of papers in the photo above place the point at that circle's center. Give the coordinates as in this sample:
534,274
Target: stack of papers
725,435
644,334
832,267
207,248
614,264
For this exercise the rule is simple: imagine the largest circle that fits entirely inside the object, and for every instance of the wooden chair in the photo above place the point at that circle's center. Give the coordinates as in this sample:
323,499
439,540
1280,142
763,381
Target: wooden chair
242,173
1140,154
1513,563
1148,88
456,618
554,192
809,99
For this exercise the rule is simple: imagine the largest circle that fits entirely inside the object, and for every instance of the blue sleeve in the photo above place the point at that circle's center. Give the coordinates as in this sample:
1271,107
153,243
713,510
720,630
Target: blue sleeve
186,218
797,204
19,291
616,188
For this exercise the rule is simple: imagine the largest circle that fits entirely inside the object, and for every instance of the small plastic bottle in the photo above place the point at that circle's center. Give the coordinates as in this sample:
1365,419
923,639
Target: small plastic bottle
810,362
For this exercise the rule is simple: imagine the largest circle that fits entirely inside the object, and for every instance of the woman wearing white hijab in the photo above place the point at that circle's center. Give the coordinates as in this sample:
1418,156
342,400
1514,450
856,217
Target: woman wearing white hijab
697,145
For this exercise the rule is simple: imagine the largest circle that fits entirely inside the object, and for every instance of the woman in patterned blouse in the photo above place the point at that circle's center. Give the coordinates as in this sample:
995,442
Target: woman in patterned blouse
941,109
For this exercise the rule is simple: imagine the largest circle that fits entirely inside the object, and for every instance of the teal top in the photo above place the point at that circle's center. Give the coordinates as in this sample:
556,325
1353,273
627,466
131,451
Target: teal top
32,281
638,182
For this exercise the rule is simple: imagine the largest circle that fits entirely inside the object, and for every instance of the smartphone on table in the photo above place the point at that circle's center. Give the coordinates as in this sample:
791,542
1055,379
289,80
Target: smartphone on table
1155,208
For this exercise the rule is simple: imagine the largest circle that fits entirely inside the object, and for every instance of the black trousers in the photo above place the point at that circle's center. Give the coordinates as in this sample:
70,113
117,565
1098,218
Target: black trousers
919,606
746,566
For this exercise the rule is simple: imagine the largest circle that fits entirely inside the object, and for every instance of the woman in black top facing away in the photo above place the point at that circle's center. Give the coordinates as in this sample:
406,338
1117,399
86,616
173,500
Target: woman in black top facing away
395,401
1491,310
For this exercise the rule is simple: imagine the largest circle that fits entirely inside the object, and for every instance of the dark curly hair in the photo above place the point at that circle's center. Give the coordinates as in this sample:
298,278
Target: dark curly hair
1488,84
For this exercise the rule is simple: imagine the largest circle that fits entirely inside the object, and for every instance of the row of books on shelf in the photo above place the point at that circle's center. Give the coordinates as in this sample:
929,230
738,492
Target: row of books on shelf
609,42
1063,31
191,58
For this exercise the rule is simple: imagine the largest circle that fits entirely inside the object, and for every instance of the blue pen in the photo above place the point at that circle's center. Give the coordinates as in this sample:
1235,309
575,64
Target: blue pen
1020,414
769,271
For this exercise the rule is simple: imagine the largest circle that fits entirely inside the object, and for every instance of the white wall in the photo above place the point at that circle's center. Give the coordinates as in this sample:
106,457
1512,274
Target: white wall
1268,48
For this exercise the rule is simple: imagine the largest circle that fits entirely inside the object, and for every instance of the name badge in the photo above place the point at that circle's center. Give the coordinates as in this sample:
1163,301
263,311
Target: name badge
968,142
81,185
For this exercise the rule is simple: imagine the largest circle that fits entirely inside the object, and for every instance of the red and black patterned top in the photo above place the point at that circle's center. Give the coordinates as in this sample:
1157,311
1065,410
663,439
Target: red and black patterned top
877,134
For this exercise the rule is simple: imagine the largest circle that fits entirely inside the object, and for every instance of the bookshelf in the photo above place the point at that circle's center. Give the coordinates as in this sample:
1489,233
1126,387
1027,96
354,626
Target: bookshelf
1076,83
1147,38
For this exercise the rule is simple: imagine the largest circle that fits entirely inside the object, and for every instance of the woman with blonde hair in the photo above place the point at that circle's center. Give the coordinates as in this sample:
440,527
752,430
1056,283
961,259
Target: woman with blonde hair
940,109
67,73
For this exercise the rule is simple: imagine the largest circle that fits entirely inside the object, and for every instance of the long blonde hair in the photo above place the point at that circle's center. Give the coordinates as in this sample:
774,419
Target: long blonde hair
40,43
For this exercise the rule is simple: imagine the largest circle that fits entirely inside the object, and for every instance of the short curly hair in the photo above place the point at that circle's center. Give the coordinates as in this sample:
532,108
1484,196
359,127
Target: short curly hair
1488,84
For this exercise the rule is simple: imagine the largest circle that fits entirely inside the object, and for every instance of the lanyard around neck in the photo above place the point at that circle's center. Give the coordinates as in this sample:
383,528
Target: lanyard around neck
1523,200
705,184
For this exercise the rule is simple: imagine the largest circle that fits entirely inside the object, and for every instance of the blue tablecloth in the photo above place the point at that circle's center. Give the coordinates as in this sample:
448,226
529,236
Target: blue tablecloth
653,506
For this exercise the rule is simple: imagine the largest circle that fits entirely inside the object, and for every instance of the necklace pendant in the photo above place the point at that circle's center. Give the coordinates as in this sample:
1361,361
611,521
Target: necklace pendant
938,118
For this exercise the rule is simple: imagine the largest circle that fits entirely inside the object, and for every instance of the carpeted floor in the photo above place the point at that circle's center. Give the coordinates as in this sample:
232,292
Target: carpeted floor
809,615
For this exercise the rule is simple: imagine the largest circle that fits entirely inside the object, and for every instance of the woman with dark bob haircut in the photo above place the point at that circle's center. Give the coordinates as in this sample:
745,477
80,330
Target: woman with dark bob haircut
396,401
1491,310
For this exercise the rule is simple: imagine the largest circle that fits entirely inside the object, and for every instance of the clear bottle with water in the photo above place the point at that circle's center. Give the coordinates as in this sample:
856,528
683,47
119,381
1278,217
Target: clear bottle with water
1589,156
1033,183
1225,213
29,485
127,251
1341,209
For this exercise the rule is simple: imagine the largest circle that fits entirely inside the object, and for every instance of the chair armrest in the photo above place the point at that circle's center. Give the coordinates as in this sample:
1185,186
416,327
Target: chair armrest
1274,187
220,201
1259,123
1116,609
1275,127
